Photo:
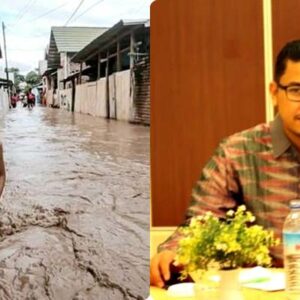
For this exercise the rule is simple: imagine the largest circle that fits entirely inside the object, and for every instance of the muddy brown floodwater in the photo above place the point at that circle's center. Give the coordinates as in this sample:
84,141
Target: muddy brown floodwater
74,218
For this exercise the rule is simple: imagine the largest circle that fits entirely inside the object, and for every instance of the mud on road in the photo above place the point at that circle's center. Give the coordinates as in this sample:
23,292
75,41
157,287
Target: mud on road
74,218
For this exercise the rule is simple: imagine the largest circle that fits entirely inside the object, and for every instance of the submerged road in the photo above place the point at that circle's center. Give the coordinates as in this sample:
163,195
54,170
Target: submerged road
74,216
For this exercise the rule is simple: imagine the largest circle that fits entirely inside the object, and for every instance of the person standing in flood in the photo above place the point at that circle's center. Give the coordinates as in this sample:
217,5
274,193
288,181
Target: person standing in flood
30,99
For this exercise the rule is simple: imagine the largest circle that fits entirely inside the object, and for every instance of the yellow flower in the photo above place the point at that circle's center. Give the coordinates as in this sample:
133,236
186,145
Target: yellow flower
230,213
241,208
228,243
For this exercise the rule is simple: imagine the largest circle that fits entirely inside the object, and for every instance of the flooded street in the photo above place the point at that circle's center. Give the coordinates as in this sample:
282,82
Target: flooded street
74,218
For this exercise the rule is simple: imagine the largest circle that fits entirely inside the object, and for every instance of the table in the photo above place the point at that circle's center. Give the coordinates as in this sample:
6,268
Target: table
249,294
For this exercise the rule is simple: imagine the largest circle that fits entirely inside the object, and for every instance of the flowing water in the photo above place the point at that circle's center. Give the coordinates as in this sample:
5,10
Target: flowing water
74,216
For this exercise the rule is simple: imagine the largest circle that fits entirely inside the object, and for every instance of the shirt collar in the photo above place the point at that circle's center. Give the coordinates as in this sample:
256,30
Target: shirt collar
279,139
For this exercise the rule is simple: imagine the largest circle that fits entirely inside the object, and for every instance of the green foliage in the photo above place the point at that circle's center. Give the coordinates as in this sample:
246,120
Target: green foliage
18,79
32,78
27,88
225,244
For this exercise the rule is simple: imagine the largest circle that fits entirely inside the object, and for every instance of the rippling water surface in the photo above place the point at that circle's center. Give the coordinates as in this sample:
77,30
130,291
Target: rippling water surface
74,216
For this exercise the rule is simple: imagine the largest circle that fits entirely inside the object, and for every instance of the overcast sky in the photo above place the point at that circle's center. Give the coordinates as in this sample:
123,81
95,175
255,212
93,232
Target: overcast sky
28,23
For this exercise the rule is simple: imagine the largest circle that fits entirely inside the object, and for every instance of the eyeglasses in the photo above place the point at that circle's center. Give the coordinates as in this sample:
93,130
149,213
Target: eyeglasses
292,91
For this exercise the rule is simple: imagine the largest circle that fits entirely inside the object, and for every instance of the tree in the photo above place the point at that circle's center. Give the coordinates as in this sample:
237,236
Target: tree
32,78
19,78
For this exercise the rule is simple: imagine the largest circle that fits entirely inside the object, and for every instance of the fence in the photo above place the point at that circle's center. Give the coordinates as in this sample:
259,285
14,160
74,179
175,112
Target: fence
91,97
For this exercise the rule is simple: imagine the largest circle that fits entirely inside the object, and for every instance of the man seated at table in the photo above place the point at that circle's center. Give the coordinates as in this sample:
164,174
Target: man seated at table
258,167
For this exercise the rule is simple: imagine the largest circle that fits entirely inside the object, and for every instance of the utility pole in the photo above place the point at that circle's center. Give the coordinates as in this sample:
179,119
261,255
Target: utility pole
5,53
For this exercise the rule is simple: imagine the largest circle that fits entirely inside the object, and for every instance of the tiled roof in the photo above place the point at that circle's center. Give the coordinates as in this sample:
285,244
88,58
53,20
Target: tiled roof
70,39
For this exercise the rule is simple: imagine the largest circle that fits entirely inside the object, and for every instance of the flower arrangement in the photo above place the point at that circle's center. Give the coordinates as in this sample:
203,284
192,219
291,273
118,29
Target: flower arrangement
227,243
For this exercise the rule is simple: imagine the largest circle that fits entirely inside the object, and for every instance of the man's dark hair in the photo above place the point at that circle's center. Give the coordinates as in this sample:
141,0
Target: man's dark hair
291,51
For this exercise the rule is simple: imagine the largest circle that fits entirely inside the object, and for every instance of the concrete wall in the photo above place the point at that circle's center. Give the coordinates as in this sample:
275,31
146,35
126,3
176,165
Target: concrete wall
101,107
65,99
60,76
90,103
86,98
112,80
3,101
90,98
123,97
49,97
79,97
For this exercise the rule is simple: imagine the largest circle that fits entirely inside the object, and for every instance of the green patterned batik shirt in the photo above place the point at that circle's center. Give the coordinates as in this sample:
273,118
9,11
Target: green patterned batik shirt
257,167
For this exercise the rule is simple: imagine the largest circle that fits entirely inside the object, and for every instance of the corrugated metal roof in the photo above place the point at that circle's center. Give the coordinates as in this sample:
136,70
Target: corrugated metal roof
73,39
112,32
69,39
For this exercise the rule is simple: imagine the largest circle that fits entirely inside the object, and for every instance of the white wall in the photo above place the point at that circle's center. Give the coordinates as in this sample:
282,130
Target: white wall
3,101
112,96
86,99
78,92
123,97
49,97
90,98
60,76
65,99
68,66
101,98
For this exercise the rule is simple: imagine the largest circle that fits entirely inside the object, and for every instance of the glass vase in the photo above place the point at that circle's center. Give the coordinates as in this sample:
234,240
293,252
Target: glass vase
217,285
229,285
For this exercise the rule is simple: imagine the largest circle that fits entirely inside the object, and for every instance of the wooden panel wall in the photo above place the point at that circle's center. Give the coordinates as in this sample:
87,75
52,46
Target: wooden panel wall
285,20
207,81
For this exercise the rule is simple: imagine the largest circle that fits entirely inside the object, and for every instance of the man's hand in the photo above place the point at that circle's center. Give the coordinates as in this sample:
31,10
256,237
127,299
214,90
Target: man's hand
160,267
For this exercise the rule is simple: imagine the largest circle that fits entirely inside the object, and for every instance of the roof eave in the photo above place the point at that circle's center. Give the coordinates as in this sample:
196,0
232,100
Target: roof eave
92,46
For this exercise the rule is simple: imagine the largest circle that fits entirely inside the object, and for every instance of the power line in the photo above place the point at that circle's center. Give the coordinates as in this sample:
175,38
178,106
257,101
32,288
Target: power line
49,12
74,12
29,5
22,10
89,8
44,14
